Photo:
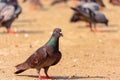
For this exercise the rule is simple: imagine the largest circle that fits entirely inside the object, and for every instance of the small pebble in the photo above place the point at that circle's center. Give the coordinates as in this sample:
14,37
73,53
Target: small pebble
13,79
30,46
75,60
26,35
0,61
50,33
15,29
3,71
16,35
16,45
100,40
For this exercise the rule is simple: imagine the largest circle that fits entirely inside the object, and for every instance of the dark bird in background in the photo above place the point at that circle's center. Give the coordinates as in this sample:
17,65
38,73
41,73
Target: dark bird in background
91,17
18,9
35,4
91,5
115,2
46,56
8,13
58,1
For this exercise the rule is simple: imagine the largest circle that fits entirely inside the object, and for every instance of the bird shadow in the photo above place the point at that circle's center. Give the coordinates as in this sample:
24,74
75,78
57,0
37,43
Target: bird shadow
109,31
43,9
30,32
102,31
114,25
69,77
24,32
99,25
26,20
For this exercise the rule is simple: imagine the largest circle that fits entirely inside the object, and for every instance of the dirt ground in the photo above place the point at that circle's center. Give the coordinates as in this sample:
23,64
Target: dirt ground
85,55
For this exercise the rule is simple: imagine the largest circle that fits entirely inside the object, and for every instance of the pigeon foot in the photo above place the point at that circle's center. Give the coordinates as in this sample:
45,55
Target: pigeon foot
11,31
96,30
48,77
40,78
33,7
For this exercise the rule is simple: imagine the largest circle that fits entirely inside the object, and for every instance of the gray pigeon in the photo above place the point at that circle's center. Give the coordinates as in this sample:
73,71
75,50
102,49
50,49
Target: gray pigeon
46,56
92,17
8,13
91,5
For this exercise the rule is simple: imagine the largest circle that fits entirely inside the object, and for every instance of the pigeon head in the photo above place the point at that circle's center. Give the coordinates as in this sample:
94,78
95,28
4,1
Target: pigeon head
57,32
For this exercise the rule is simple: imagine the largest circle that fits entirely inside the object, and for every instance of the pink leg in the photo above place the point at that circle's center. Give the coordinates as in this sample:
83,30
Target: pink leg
47,76
40,78
33,6
46,70
11,31
97,30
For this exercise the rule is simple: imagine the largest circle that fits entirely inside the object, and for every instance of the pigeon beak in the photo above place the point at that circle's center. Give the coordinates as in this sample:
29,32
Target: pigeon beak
61,34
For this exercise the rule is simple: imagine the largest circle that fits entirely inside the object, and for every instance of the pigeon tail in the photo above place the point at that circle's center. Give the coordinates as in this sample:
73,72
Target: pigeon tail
19,71
21,67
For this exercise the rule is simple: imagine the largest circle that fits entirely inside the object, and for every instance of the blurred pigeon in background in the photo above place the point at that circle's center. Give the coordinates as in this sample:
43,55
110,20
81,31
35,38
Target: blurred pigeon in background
92,17
9,13
91,5
46,56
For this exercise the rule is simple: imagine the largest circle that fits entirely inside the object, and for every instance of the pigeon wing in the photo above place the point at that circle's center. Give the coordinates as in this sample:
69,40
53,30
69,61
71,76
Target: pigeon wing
37,58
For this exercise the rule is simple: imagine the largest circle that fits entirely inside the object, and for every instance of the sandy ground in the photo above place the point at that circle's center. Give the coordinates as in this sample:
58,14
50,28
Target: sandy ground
85,55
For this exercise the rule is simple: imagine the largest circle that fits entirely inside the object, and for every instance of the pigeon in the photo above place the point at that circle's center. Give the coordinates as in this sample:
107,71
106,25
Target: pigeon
9,13
44,57
59,1
92,17
91,5
18,9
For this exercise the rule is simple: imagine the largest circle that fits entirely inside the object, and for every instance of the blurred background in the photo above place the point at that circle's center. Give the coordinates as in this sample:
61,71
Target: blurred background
86,55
